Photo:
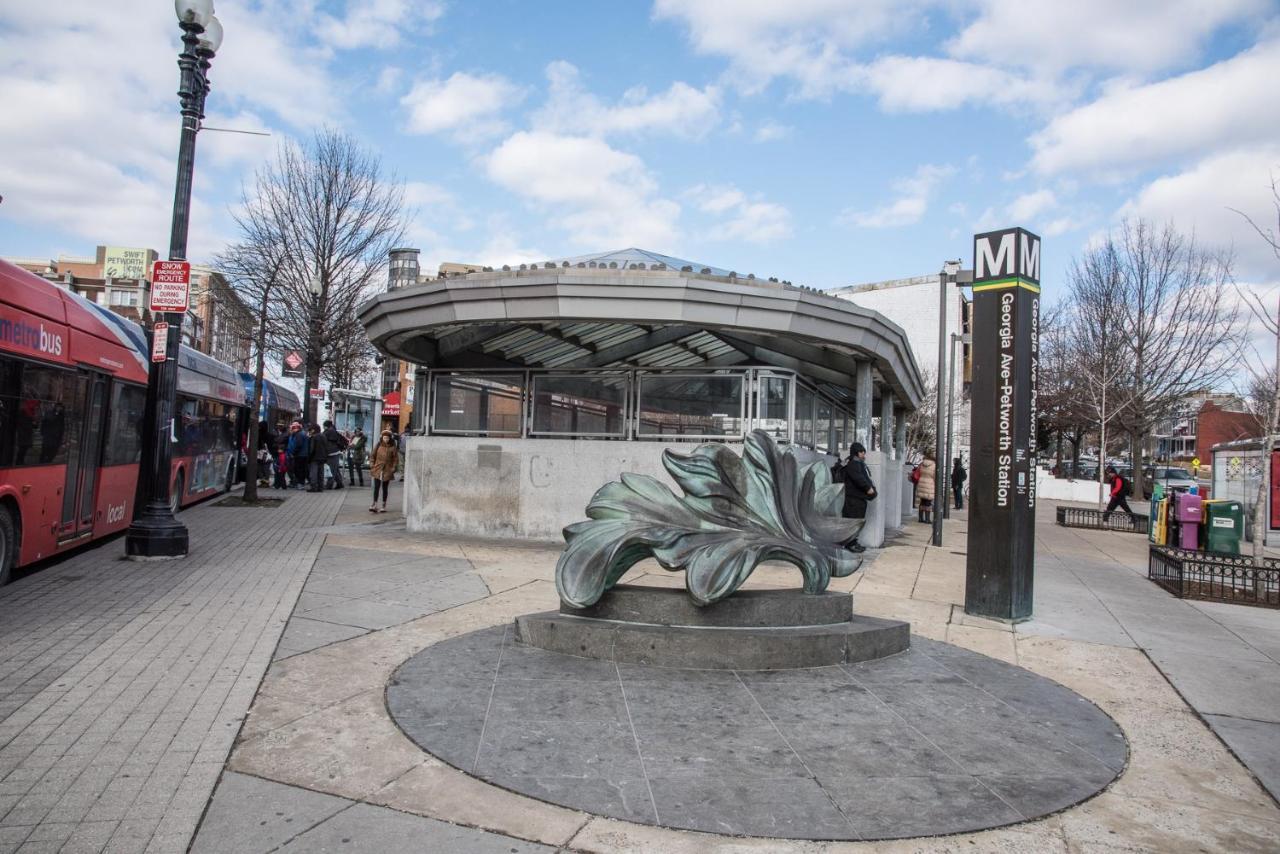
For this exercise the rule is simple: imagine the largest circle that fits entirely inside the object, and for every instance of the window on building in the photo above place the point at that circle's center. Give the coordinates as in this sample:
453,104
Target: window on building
590,405
691,405
491,404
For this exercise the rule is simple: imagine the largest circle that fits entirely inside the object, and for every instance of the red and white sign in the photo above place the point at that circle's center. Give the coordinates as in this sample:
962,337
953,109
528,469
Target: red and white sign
391,404
317,394
292,364
160,342
170,286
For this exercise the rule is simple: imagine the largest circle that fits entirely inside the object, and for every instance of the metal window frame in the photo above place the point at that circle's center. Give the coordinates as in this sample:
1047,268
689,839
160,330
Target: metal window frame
628,380
740,374
761,375
523,377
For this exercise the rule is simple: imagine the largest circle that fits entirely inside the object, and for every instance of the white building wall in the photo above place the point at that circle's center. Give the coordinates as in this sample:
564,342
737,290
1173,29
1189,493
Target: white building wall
913,304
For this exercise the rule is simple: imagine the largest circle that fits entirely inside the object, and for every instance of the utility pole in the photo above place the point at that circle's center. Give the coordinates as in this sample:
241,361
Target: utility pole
946,277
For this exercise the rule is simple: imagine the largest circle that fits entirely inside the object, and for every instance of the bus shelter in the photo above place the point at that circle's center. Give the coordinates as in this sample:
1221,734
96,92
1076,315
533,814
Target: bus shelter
540,383
351,409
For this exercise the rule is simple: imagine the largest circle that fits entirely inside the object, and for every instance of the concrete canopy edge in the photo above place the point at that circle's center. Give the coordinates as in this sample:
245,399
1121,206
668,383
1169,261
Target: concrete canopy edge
394,319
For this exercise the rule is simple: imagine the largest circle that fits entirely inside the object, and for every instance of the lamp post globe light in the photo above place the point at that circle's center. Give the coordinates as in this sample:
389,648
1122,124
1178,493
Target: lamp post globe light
155,533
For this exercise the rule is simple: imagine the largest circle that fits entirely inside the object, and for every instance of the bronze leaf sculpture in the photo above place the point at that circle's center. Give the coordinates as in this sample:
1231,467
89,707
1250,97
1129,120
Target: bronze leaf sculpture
736,513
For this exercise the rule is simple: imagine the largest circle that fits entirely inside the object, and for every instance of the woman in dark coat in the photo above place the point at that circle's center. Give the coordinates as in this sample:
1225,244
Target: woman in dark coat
858,489
958,477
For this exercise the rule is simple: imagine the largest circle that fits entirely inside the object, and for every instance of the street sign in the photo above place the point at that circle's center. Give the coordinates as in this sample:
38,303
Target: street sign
1195,462
292,364
160,342
1000,566
317,394
170,286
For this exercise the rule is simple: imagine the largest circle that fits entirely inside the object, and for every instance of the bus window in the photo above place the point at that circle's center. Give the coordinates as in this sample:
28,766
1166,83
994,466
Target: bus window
124,439
37,415
10,389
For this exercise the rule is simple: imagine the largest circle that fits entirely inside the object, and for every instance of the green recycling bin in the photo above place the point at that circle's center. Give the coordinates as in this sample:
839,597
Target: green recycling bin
1223,526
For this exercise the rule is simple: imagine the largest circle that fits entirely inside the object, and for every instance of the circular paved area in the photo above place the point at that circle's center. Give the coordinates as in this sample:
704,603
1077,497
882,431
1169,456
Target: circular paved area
932,741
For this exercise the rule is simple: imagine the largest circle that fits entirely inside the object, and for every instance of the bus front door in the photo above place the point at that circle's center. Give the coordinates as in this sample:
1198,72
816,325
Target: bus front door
84,453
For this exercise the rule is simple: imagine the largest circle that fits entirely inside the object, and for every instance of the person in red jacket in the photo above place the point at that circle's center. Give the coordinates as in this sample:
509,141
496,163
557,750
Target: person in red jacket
1119,486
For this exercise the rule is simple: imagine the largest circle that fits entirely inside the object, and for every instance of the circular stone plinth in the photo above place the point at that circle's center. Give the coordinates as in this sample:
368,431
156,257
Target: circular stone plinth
671,606
932,741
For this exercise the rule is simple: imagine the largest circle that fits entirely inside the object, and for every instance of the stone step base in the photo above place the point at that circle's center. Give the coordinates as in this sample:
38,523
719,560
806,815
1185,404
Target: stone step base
698,647
671,606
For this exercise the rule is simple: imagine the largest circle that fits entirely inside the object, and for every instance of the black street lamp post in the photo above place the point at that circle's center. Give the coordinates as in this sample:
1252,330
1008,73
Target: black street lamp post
155,533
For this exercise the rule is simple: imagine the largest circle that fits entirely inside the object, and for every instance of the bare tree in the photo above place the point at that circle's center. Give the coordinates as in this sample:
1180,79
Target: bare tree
335,216
1178,321
1265,388
1093,349
1059,398
921,426
253,268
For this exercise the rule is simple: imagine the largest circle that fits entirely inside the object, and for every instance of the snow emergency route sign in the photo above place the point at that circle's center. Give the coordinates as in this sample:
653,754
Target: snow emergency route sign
170,286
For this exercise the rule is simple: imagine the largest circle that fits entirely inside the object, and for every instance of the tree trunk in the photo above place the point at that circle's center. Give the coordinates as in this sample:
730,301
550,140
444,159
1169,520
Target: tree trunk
1141,440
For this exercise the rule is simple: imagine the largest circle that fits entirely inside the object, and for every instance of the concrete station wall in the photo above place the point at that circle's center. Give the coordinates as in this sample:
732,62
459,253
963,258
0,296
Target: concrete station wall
526,488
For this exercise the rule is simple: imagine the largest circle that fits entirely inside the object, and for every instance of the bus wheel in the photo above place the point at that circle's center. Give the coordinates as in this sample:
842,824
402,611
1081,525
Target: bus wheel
8,545
175,494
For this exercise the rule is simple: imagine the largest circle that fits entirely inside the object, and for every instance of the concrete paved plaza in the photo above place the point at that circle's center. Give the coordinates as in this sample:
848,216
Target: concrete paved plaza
124,690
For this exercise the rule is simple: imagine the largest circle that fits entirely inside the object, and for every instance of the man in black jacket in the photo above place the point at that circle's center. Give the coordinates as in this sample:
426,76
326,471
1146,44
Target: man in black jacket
337,444
858,489
317,457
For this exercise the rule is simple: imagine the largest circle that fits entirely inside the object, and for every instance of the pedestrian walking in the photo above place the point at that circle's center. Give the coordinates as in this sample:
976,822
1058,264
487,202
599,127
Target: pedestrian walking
925,486
317,458
355,456
1119,489
858,489
298,449
382,468
336,443
958,477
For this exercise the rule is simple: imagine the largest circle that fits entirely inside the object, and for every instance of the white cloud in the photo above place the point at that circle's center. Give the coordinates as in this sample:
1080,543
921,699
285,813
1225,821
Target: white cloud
388,80
681,110
740,218
920,83
376,23
805,40
1201,199
1133,36
1030,205
1230,103
770,131
912,200
93,155
602,197
464,105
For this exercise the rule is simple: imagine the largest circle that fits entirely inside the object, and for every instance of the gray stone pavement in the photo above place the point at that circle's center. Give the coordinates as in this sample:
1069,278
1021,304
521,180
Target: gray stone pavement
123,684
1223,659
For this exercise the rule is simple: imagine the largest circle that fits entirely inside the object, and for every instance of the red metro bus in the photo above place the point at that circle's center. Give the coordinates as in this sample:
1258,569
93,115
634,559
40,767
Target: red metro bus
72,393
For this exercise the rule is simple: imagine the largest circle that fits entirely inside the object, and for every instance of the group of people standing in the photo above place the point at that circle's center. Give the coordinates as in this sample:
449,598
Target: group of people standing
300,458
924,477
859,488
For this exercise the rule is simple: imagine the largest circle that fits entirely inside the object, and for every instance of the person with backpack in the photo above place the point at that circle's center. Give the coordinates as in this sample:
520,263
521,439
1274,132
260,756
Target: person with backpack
858,489
382,468
337,443
1119,489
355,457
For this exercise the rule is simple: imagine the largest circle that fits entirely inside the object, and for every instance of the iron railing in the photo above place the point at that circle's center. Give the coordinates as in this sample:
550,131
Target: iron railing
1215,576
1087,517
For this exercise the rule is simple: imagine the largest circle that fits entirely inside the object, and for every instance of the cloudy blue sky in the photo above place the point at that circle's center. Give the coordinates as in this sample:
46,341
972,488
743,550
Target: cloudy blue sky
824,141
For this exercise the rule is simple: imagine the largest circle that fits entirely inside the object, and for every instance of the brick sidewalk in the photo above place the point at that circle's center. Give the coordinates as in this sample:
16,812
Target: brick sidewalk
123,685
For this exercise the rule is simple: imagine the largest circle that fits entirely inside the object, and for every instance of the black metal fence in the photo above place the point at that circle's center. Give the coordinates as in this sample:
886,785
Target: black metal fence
1215,576
1085,517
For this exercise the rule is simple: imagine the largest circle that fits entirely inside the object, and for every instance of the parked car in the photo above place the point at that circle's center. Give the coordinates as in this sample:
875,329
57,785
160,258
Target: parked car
1173,478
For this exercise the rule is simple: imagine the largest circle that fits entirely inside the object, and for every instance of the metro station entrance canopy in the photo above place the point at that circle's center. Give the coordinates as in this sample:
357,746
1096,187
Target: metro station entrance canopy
637,345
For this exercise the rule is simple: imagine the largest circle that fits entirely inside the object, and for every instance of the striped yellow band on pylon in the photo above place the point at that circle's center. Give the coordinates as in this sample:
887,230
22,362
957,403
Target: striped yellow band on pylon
1001,284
